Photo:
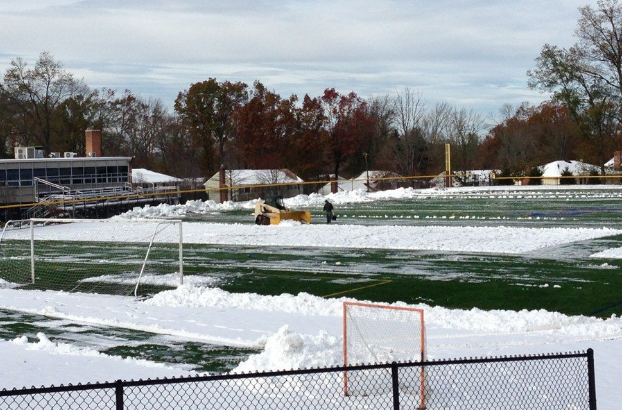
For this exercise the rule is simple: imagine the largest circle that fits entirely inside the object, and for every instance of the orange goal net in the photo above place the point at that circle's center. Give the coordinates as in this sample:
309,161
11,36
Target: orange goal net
375,334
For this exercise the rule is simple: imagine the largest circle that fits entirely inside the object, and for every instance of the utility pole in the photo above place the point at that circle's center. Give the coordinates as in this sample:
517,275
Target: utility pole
447,165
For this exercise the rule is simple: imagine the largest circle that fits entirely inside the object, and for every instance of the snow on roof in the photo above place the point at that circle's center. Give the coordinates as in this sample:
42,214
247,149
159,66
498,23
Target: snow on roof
555,168
359,182
258,176
144,176
377,174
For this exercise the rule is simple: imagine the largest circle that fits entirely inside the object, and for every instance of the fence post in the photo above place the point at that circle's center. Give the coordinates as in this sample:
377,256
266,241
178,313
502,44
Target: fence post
119,394
591,378
396,386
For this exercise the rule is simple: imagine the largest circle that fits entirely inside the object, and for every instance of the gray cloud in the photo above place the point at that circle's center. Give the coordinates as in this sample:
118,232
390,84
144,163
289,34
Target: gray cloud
468,52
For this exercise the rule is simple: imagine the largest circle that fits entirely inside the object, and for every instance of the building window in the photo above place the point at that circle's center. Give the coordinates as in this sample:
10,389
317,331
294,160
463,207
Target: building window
52,175
101,175
123,173
25,177
89,175
65,176
77,175
12,177
112,174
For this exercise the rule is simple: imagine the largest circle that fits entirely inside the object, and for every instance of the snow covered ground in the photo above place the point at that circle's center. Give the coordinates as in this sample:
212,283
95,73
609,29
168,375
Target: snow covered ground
278,324
293,234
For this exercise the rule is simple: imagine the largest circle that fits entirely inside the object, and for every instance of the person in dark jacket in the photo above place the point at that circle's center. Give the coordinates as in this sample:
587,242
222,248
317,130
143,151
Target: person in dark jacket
328,209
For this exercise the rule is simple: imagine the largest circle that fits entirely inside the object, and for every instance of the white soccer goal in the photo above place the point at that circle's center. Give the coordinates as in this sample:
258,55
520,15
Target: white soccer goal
114,256
376,333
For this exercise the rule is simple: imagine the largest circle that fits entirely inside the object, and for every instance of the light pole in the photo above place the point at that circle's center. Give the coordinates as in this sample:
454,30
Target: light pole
366,169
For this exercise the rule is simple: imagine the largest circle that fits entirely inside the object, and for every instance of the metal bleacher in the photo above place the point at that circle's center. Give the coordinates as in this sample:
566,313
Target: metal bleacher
57,196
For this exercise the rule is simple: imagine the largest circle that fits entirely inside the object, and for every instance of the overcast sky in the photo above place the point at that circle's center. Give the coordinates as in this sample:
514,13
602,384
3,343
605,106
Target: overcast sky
469,53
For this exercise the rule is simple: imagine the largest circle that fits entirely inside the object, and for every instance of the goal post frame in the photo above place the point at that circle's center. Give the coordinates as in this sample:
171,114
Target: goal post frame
157,223
421,324
380,306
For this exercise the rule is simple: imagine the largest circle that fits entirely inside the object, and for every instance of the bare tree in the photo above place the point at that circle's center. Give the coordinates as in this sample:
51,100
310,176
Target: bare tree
37,92
436,129
409,146
465,129
437,123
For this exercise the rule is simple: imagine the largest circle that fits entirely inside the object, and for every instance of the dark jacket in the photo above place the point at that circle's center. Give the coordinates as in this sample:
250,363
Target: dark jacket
328,207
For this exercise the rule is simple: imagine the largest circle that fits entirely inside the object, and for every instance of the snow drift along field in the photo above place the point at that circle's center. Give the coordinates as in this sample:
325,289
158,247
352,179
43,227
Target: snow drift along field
500,240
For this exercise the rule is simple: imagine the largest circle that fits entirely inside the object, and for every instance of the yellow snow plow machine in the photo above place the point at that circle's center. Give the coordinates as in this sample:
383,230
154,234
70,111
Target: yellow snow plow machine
273,212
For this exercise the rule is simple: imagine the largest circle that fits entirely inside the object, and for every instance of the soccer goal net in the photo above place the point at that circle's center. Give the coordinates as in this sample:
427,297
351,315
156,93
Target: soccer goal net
376,333
113,256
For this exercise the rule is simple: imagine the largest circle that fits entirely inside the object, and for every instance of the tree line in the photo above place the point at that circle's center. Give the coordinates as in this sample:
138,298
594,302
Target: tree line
237,125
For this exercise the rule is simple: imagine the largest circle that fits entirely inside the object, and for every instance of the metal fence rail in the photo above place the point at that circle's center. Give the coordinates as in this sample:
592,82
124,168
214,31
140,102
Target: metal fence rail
557,381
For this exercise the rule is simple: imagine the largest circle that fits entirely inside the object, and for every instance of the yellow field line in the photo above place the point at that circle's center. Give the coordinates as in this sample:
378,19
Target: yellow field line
384,282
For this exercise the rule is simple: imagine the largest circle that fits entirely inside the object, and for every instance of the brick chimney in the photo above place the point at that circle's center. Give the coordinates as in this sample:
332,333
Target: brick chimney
93,143
616,160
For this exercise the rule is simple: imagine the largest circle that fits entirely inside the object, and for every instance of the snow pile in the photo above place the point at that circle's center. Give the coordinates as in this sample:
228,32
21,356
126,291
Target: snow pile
8,285
190,207
287,350
197,296
613,253
55,348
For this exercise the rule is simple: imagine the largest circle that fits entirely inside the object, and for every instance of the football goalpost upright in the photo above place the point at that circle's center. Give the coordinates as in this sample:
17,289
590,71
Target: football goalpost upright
377,333
115,256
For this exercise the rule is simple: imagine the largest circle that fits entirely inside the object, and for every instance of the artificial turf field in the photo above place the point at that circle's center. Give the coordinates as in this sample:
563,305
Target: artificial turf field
563,279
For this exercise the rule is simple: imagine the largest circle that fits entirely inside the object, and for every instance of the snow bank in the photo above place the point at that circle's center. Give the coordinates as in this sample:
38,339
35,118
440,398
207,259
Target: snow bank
471,239
193,296
361,196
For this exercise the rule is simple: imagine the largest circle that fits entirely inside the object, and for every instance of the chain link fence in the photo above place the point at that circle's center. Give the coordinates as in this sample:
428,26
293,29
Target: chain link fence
557,381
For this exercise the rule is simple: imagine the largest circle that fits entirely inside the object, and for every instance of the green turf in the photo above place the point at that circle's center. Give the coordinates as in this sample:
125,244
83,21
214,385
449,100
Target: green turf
564,280
455,281
202,357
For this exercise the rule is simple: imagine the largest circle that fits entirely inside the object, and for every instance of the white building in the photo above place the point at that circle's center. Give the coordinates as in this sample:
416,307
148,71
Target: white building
378,181
247,184
552,172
